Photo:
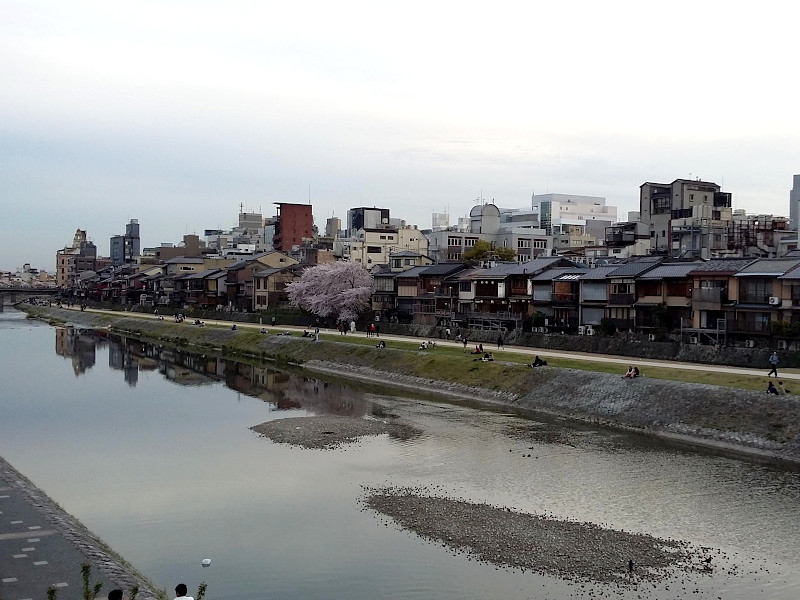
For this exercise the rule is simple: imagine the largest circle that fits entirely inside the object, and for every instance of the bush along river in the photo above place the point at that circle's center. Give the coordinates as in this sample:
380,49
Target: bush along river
298,485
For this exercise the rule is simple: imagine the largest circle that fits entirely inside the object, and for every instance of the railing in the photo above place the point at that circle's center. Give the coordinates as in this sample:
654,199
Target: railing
748,298
624,324
564,298
711,295
621,299
748,327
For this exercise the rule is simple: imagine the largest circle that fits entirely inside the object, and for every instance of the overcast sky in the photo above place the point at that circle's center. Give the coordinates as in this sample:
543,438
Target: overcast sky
174,113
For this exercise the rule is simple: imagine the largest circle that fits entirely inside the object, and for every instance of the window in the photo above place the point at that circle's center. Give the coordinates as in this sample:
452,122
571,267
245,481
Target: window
391,237
661,206
453,241
374,250
522,243
540,243
454,256
465,286
470,242
409,261
383,237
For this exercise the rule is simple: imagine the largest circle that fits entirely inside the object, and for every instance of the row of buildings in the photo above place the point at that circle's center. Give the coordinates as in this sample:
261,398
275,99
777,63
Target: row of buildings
719,301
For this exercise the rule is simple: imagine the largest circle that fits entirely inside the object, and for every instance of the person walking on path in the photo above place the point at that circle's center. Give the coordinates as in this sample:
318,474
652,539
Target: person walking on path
316,333
464,340
352,326
773,362
500,342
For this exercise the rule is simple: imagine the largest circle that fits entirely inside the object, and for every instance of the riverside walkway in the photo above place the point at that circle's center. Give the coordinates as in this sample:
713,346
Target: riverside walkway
41,546
623,361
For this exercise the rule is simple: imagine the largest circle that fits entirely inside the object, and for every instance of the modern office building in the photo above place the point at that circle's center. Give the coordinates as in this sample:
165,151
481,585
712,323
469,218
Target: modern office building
125,249
562,213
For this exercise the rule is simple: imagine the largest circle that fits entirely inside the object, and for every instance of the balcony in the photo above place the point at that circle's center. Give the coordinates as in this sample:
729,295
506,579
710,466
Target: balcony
710,295
750,298
564,299
621,299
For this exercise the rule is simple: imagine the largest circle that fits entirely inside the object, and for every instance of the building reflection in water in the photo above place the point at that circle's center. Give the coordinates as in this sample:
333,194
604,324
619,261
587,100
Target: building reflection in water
283,390
78,345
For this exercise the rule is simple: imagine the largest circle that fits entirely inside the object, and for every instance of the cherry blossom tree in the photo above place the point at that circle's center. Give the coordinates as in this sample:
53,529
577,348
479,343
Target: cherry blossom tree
341,290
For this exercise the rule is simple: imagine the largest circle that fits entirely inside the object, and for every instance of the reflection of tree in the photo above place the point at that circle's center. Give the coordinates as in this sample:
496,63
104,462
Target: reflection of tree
323,398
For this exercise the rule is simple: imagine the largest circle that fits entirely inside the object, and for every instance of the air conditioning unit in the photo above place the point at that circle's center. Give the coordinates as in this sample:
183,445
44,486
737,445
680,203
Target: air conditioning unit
651,337
774,301
693,339
782,344
589,330
750,343
581,330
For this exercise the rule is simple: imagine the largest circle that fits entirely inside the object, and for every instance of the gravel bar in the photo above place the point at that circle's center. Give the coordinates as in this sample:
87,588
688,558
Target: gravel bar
565,549
329,432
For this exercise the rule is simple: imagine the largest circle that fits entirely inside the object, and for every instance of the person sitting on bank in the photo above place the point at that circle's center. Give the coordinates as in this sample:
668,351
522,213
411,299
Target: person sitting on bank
306,333
381,344
487,356
636,372
538,362
781,389
477,350
628,373
771,389
234,327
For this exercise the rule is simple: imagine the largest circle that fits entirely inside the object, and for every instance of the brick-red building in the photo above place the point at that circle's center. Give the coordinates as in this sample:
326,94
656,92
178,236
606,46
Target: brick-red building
294,224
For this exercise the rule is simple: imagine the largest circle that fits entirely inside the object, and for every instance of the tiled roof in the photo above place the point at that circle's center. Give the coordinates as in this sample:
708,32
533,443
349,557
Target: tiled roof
670,270
443,268
191,260
637,267
551,274
598,273
769,267
723,265
412,272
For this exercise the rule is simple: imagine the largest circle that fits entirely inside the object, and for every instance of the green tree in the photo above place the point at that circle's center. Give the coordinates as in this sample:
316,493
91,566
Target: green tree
482,250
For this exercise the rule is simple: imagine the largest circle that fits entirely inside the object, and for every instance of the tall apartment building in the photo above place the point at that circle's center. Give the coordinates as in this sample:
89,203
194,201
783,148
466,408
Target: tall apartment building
689,218
794,203
73,260
295,223
125,249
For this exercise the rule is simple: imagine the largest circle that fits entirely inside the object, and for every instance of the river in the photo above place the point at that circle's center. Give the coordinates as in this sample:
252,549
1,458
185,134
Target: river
151,449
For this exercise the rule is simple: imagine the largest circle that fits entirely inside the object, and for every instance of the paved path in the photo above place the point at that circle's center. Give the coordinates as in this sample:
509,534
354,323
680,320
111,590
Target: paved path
42,546
623,361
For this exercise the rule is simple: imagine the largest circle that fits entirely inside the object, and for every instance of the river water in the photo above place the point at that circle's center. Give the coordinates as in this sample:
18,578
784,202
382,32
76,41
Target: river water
151,449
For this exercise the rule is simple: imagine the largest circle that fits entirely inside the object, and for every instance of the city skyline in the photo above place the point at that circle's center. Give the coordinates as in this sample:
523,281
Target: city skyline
175,116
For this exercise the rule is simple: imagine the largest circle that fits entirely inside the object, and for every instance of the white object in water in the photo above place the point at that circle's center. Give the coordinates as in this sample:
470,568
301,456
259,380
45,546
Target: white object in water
206,562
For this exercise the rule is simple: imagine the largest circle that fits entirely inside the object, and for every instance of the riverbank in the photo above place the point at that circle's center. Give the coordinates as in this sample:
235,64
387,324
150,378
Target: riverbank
737,420
65,543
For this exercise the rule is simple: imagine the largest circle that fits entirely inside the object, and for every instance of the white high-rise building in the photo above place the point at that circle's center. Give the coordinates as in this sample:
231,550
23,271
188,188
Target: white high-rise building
794,203
558,212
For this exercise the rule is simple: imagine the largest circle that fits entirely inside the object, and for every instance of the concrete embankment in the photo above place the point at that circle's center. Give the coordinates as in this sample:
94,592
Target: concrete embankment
739,420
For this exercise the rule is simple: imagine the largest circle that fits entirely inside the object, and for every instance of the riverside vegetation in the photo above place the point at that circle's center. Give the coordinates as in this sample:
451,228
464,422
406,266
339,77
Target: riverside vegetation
698,406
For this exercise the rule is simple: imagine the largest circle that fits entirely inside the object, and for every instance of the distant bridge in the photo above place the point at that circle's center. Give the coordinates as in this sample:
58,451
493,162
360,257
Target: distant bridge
12,295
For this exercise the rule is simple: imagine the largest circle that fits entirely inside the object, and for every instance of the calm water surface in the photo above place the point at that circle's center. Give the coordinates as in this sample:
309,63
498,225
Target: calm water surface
151,449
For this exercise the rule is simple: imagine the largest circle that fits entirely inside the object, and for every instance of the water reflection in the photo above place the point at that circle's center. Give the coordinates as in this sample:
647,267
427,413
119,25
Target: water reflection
175,474
285,391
